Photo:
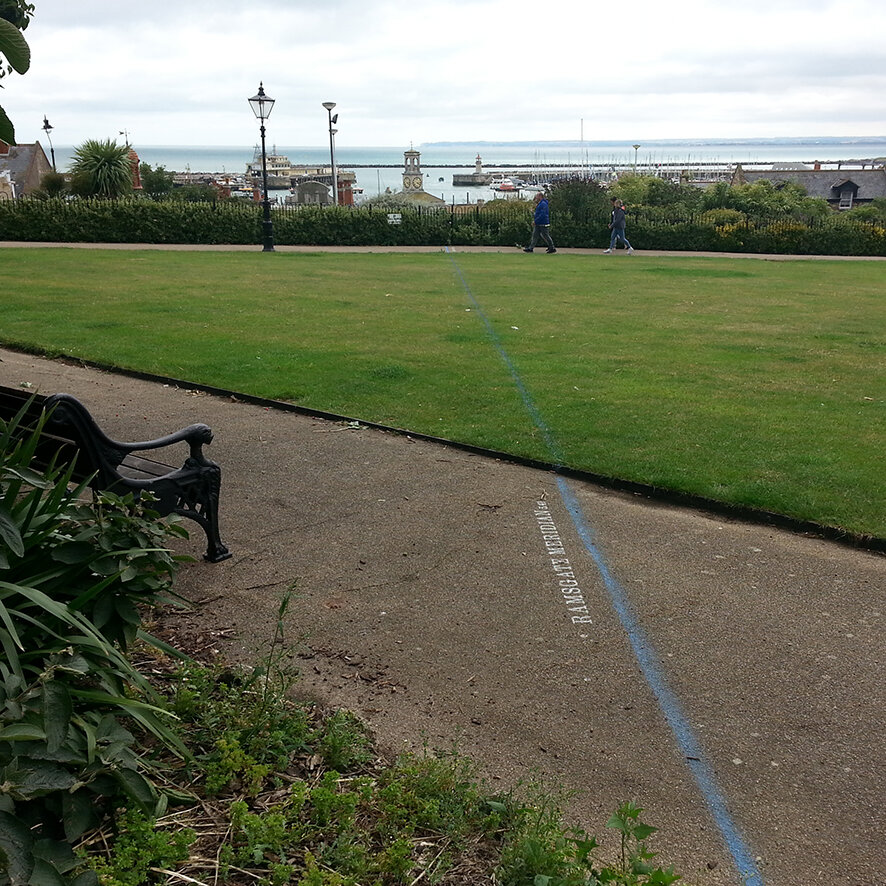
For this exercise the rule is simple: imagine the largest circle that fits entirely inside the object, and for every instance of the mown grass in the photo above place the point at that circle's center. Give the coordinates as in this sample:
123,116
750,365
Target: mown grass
756,383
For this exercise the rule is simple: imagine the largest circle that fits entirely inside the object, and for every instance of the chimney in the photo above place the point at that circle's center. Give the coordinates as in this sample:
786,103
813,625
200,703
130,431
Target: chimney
136,174
817,166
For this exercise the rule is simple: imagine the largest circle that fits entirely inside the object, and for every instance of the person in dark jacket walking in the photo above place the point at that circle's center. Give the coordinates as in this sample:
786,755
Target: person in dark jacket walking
617,226
541,225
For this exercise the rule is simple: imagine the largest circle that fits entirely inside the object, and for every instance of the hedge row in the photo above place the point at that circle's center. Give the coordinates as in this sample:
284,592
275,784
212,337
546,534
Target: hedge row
494,224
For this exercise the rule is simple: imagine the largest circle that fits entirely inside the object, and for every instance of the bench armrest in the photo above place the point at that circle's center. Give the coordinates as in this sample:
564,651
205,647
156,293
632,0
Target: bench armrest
196,436
67,410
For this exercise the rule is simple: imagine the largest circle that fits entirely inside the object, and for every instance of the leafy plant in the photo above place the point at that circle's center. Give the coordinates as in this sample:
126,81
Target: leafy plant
156,181
425,816
139,847
73,575
239,721
435,792
345,744
540,852
101,168
52,185
14,18
634,858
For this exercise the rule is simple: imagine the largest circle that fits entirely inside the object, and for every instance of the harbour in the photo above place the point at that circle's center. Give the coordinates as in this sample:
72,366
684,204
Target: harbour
377,170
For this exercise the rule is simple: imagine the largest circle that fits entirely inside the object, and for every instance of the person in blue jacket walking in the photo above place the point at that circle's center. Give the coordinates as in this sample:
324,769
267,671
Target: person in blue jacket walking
617,226
541,225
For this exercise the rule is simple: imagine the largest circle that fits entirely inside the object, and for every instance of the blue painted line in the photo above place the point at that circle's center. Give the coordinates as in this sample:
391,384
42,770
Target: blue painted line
550,441
667,700
640,643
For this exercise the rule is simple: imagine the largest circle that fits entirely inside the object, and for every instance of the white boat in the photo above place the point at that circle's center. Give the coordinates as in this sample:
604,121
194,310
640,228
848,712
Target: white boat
276,164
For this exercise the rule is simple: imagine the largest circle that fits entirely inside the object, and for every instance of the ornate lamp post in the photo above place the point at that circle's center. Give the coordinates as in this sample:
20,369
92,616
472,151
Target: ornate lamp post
262,105
47,128
332,119
636,148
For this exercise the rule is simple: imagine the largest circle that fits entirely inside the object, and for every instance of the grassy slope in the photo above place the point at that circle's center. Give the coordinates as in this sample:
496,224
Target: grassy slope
754,382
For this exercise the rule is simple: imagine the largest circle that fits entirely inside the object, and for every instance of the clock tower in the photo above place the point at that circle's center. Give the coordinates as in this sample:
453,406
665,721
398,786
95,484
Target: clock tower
412,176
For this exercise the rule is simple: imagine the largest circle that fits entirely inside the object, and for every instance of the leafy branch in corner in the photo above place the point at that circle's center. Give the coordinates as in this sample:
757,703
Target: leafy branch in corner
15,54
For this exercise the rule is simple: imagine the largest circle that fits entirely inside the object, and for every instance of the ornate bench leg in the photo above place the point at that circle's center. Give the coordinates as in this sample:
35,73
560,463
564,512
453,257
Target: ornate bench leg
216,550
193,492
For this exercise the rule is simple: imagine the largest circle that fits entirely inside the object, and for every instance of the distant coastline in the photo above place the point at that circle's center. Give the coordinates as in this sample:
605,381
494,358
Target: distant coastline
669,142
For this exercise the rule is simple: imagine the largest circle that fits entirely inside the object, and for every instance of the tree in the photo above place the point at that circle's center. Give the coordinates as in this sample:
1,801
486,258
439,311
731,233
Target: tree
582,198
194,194
156,182
651,190
53,184
101,169
875,211
717,196
664,192
763,199
14,18
393,200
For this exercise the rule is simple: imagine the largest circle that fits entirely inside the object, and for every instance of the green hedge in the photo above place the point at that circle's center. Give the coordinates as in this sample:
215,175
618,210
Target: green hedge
128,221
498,223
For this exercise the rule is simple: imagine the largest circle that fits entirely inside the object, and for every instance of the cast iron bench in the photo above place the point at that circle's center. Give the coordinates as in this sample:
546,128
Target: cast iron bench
71,435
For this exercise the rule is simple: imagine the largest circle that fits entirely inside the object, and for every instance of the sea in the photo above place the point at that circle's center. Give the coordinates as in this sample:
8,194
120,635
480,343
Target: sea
378,169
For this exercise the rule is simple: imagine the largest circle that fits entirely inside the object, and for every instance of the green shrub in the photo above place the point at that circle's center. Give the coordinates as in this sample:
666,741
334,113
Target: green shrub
538,851
345,744
722,217
74,576
875,211
791,225
138,847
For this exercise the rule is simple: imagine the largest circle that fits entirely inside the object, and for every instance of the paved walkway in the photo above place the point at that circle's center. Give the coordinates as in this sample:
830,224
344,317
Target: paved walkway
728,677
185,247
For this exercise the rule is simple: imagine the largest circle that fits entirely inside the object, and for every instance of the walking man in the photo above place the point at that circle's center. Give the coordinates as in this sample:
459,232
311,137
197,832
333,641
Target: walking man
617,226
541,225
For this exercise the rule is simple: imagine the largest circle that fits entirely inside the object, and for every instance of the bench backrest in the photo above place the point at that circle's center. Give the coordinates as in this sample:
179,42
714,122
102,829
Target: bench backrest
65,437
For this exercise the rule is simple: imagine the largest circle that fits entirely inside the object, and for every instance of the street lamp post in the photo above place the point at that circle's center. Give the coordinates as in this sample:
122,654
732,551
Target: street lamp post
636,148
262,105
332,120
47,128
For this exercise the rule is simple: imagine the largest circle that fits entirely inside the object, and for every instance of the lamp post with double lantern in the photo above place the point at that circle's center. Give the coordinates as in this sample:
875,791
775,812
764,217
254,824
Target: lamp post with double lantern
333,119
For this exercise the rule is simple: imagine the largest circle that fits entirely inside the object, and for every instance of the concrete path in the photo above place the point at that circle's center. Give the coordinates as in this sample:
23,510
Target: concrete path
193,247
727,677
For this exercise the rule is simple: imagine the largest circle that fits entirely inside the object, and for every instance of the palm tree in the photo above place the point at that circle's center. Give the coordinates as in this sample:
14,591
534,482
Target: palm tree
101,169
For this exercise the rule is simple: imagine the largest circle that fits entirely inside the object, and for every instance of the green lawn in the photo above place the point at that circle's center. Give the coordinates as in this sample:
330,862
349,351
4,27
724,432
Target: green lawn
754,382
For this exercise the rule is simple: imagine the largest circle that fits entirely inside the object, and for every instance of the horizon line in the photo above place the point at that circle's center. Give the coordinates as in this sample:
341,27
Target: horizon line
698,140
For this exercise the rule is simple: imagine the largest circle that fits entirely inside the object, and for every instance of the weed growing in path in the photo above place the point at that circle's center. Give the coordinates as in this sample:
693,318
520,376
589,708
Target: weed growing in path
279,792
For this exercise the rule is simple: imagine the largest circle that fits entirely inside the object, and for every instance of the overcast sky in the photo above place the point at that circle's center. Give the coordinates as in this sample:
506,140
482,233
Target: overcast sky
451,70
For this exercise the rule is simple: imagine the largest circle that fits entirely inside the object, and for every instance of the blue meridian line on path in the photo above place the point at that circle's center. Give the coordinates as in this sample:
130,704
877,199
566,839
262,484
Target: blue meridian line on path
640,644
667,700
